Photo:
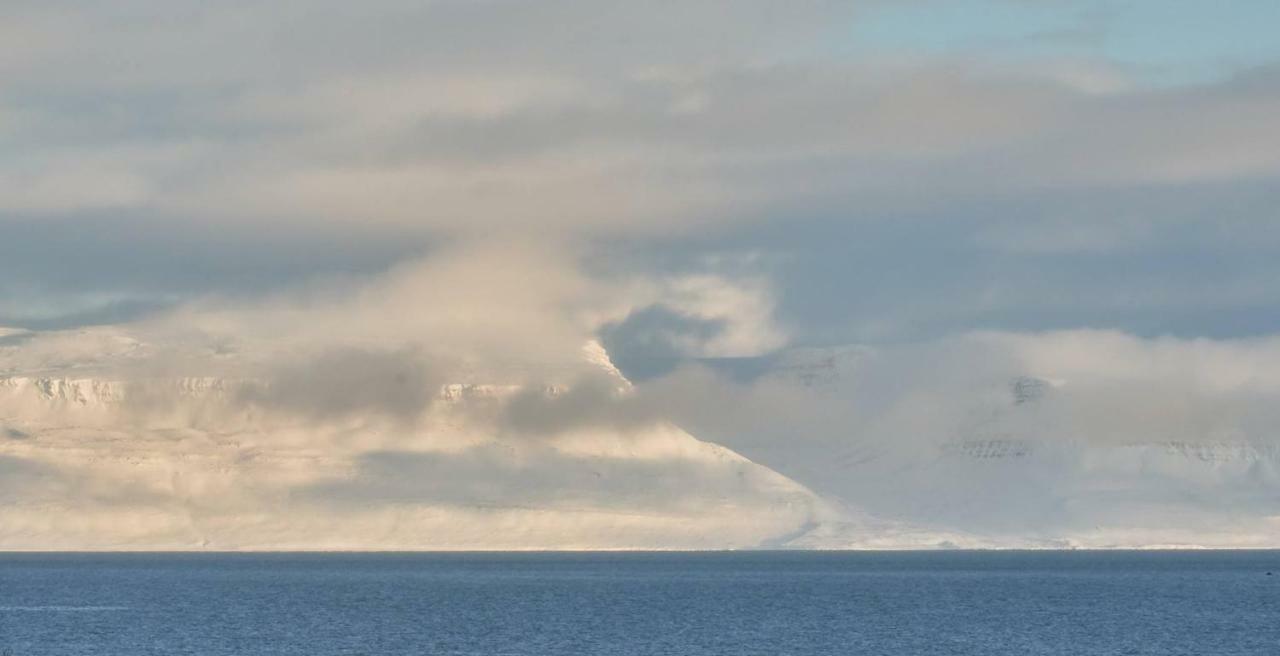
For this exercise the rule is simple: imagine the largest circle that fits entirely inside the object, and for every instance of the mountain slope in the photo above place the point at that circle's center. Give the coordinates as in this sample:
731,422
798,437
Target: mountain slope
93,464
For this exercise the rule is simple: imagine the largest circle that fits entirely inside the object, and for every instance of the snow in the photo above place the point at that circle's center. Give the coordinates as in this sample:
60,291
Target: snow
94,455
82,467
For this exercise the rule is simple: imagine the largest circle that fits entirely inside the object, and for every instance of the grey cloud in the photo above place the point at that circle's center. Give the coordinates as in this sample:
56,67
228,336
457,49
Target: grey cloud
26,481
587,402
653,340
16,338
534,477
344,382
20,477
1152,264
110,312
98,268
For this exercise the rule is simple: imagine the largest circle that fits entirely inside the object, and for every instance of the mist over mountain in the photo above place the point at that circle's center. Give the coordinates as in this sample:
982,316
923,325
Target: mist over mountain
990,440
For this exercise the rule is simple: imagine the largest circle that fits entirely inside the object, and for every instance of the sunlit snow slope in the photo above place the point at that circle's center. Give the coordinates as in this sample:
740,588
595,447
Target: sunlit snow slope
180,463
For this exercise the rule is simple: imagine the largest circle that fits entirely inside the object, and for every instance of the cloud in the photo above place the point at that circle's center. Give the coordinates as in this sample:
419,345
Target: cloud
20,477
653,340
410,401
343,382
382,347
539,477
902,193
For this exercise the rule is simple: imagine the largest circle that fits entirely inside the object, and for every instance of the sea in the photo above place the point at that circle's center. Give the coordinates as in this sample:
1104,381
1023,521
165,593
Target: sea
984,603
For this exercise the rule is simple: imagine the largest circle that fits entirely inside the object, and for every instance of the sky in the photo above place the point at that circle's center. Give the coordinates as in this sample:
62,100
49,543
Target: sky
893,170
953,195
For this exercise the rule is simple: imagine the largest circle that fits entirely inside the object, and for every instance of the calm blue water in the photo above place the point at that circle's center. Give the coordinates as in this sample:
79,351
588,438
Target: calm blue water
982,603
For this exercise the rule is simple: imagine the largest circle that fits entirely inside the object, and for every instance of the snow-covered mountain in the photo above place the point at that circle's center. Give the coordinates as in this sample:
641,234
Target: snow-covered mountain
823,448
1023,463
195,463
